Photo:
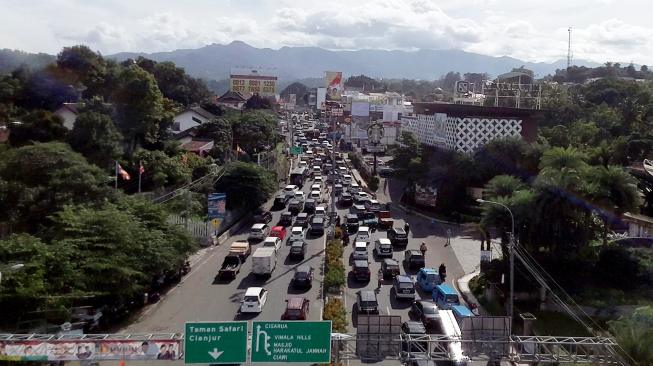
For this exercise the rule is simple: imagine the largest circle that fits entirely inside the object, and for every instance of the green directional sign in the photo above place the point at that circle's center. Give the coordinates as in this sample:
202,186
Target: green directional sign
291,341
295,150
215,342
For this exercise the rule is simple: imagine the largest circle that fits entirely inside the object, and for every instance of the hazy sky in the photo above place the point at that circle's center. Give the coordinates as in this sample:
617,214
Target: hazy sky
533,30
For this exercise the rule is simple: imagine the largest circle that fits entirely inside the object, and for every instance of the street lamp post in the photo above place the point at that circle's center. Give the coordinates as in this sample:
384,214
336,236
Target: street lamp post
511,250
13,267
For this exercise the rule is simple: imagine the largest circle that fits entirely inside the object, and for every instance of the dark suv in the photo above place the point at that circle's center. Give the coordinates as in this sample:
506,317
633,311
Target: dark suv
297,250
302,219
309,206
346,199
352,223
366,302
398,236
286,218
317,226
361,270
413,259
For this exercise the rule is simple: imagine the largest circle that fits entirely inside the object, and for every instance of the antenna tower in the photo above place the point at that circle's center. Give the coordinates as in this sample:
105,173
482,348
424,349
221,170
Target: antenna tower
569,50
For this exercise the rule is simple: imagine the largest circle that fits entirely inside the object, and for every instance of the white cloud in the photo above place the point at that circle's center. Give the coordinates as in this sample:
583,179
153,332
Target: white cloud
604,30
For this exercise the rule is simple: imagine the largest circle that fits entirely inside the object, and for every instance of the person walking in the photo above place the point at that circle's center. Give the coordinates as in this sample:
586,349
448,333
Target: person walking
442,271
422,248
407,228
379,280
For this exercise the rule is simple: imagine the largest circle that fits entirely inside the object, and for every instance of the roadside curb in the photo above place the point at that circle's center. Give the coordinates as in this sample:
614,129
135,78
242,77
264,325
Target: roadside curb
408,210
462,285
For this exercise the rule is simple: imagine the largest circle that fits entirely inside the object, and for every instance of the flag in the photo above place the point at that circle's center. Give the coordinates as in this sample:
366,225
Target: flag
122,172
141,169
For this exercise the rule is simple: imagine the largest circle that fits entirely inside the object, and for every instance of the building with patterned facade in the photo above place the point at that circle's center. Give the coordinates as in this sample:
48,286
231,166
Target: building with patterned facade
465,128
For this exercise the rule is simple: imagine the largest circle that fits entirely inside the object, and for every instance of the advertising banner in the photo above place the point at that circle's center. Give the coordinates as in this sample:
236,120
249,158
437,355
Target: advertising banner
360,109
333,82
72,350
216,205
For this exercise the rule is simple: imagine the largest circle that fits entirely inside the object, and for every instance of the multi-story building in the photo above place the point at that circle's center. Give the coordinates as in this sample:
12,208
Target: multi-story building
465,128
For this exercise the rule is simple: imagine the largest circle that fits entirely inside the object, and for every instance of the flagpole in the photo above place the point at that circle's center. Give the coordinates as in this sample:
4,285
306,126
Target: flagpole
115,171
140,172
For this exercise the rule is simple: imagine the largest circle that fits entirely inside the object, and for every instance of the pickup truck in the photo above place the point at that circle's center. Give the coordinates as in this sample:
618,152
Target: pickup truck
230,266
368,219
241,249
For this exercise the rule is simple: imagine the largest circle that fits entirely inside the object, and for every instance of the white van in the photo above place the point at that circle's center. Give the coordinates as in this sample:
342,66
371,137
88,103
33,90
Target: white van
354,188
346,179
363,234
316,195
259,231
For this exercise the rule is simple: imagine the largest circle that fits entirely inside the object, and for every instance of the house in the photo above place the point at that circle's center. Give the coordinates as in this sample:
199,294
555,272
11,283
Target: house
232,99
639,226
200,147
68,113
191,117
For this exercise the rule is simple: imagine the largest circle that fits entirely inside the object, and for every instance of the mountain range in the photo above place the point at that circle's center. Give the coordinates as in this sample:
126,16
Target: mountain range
214,62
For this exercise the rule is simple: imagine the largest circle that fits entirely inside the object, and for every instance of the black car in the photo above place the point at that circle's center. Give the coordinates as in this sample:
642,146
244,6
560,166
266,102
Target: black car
262,217
413,259
414,328
352,223
346,199
295,206
366,302
398,236
286,218
302,219
297,250
390,268
361,270
303,277
309,206
317,226
280,200
425,311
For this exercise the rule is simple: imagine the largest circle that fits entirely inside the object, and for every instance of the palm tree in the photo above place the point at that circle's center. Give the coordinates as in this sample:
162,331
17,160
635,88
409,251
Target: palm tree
503,185
635,334
556,159
614,192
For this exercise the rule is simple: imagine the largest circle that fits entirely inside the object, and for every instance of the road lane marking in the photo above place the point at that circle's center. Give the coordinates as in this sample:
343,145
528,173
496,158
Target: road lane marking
387,310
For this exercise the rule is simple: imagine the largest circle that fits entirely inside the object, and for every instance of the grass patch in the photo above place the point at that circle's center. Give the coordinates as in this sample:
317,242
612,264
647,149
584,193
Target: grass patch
551,322
477,285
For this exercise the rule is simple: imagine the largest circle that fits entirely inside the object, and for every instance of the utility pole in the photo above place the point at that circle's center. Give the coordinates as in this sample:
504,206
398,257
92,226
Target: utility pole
569,49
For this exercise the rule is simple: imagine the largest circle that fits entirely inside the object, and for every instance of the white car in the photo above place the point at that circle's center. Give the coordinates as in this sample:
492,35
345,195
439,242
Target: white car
254,300
373,205
290,190
360,250
316,195
296,233
383,247
320,211
272,241
318,180
362,196
259,231
300,196
316,187
302,164
363,234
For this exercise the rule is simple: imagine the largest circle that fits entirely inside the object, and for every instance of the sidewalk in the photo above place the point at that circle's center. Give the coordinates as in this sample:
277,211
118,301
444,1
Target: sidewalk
462,284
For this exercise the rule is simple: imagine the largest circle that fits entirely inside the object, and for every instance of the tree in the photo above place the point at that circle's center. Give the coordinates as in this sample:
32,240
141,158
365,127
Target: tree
406,149
37,126
614,192
174,83
258,102
557,160
139,106
44,90
161,170
85,67
503,186
299,89
634,334
38,180
477,78
247,185
503,156
96,137
219,130
255,131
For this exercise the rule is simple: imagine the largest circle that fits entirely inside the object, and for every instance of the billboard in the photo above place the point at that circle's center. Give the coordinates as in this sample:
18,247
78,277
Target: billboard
73,350
245,80
360,109
333,83
321,98
216,205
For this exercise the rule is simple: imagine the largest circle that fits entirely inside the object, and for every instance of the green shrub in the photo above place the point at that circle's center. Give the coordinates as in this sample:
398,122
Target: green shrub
334,310
334,276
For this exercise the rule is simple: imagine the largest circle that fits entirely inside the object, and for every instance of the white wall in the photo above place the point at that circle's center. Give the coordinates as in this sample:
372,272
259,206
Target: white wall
321,97
67,116
187,120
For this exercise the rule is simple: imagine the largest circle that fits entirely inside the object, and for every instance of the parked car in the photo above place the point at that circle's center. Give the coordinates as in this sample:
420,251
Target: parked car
366,302
425,311
286,218
413,259
296,309
297,249
361,270
398,236
383,247
303,277
258,232
404,288
254,300
302,219
317,226
262,216
390,268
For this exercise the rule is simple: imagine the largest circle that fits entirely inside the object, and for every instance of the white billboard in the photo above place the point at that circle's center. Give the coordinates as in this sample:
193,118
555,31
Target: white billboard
321,98
361,109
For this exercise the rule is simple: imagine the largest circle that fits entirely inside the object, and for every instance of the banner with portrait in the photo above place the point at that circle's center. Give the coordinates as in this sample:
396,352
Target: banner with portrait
75,350
333,83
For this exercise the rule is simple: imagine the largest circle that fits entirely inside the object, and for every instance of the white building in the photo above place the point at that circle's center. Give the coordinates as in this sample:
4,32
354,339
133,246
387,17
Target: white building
68,112
191,117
